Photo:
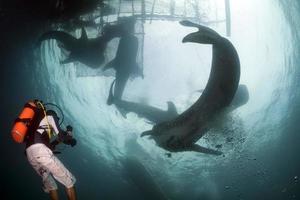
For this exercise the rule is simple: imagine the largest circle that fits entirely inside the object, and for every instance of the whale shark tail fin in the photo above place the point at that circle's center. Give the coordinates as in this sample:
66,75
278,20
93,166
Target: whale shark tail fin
204,35
83,35
172,108
200,149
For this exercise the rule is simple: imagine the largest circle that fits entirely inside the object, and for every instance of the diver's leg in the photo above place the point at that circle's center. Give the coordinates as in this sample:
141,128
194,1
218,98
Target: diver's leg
53,194
39,156
51,166
71,193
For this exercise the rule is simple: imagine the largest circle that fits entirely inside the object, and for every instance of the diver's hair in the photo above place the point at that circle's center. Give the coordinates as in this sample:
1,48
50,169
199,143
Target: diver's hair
52,113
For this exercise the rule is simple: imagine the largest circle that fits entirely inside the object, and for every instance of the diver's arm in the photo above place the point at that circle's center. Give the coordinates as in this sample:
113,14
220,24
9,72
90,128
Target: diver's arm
62,136
68,136
53,122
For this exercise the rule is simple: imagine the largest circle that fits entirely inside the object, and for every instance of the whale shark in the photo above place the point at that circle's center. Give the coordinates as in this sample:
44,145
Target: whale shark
87,51
156,115
241,97
153,114
182,133
125,63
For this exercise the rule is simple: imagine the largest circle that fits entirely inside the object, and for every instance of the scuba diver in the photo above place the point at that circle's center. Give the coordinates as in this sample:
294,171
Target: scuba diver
124,62
36,128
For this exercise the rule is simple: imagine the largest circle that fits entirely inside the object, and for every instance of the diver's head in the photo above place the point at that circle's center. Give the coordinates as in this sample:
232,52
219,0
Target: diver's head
52,113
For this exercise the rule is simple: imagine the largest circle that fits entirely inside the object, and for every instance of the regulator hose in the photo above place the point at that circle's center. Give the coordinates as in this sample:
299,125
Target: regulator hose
60,110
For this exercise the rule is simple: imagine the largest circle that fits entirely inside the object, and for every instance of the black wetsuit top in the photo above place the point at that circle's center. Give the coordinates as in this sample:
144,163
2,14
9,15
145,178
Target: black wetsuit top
39,134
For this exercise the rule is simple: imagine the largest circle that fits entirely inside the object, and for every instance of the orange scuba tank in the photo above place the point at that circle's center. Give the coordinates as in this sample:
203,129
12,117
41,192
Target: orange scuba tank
25,120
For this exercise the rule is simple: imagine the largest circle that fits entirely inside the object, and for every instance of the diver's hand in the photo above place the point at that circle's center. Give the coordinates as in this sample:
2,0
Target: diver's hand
53,144
73,142
69,128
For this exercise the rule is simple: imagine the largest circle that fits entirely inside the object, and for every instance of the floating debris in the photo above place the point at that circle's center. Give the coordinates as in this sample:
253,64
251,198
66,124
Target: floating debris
296,178
169,155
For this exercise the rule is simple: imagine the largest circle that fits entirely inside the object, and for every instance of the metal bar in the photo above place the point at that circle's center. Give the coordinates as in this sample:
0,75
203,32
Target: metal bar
143,8
196,8
119,11
132,7
172,7
152,10
142,48
172,18
184,10
228,18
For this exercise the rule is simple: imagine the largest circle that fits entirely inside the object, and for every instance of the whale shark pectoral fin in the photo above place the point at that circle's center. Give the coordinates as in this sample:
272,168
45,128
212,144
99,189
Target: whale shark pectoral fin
147,133
83,35
172,108
200,149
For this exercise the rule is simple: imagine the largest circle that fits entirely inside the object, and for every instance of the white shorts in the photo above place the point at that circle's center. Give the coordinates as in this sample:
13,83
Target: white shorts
47,165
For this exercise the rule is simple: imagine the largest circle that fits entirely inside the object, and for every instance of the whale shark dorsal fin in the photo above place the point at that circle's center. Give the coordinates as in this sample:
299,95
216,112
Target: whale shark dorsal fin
172,108
83,34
